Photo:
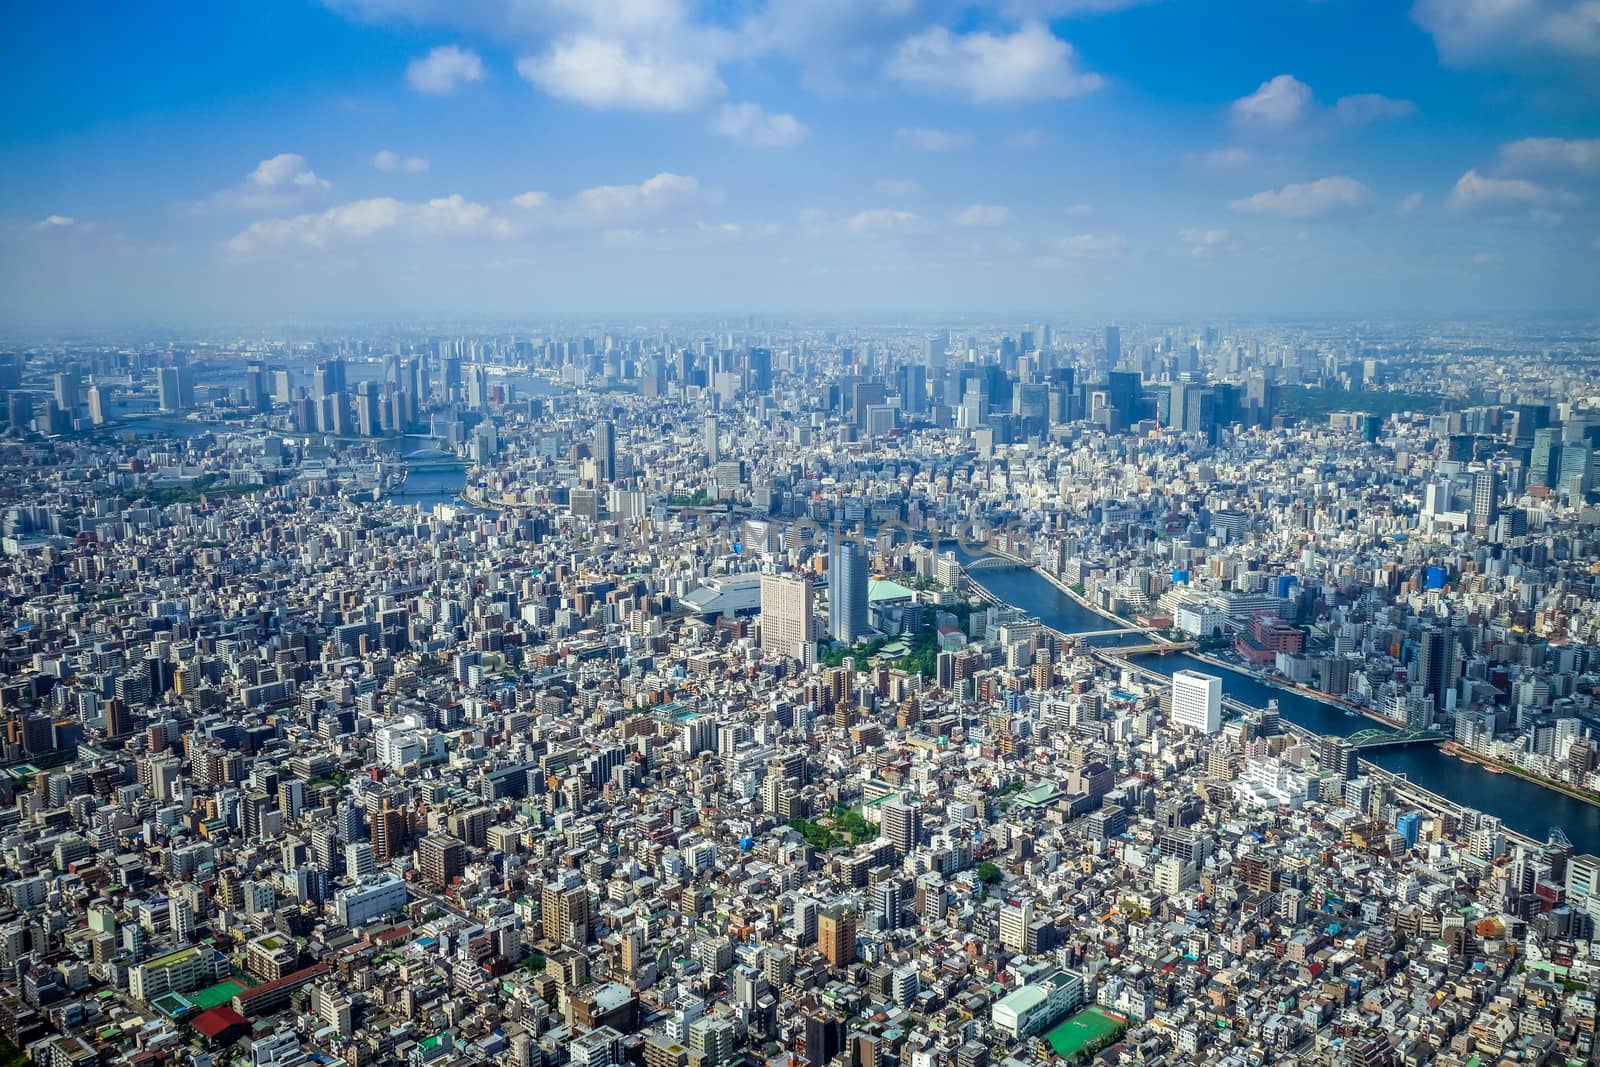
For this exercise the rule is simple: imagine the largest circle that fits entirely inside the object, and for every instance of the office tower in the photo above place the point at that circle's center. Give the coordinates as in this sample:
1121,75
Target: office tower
1113,346
1485,499
68,390
1197,701
902,824
786,615
847,593
368,415
1435,671
605,450
282,386
99,405
167,389
1544,462
328,378
836,936
760,364
913,388
19,411
1123,394
257,386
713,439
1575,471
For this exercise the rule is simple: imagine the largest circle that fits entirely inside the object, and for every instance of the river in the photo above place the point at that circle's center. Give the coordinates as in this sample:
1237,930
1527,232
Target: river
1521,805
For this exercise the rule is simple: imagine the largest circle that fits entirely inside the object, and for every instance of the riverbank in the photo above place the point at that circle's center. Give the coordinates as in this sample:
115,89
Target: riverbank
1303,690
1493,765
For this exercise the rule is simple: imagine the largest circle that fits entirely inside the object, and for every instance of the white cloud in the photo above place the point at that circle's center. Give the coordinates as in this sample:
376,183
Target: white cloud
1286,102
984,215
1408,204
1306,200
443,69
896,186
531,199
55,222
448,216
1200,242
1230,157
1510,32
606,73
1092,244
277,183
1279,103
1030,64
925,139
394,163
752,125
1362,108
1485,258
1079,211
879,222
1025,139
737,231
612,205
1473,191
1051,9
1551,153
285,170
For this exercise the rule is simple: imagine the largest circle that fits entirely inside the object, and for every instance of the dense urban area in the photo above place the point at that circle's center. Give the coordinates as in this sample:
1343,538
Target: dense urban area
854,694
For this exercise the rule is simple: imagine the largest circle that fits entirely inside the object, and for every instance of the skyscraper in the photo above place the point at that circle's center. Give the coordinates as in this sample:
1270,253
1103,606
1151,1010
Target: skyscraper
786,605
1197,701
605,450
68,390
1113,346
1435,671
1485,499
847,593
1543,464
713,437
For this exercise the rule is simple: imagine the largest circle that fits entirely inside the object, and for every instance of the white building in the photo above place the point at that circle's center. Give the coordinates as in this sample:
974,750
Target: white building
1036,1007
371,898
1197,701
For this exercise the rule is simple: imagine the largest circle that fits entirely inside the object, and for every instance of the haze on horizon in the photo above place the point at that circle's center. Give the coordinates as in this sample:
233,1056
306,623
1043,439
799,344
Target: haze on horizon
427,157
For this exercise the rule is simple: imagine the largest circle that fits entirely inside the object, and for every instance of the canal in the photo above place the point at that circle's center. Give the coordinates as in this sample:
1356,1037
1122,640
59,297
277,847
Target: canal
1521,805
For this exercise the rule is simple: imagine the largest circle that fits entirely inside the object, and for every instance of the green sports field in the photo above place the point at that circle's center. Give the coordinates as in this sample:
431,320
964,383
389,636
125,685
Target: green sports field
1083,1030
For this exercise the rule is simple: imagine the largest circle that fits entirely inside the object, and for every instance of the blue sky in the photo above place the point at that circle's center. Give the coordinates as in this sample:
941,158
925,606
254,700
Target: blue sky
197,163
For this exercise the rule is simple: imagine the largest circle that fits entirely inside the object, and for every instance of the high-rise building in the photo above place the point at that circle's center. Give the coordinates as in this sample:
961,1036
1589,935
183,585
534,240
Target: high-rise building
440,858
99,405
1435,670
605,450
1575,470
786,606
1122,396
713,439
902,824
1113,345
1197,701
68,390
1544,461
1485,499
836,935
847,593
564,912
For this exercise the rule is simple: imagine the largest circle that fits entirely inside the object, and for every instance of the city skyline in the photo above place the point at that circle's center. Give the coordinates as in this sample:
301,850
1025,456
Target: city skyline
383,157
